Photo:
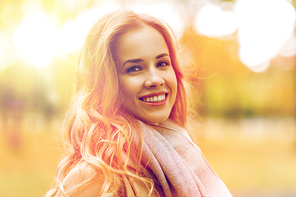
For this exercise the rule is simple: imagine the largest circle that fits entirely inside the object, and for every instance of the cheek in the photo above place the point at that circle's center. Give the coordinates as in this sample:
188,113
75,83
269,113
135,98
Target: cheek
172,82
128,88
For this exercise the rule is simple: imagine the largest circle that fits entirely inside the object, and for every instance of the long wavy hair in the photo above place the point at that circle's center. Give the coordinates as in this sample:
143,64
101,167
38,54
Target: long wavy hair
97,129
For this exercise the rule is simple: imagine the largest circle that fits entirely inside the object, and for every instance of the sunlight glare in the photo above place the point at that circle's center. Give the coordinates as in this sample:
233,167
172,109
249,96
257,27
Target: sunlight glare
31,6
289,48
263,32
72,5
36,39
212,21
6,52
165,12
73,33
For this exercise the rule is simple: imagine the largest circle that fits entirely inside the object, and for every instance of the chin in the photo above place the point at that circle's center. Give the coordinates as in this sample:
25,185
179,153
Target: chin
155,120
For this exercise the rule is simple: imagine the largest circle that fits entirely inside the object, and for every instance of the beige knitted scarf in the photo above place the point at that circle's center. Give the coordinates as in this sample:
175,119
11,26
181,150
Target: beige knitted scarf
177,163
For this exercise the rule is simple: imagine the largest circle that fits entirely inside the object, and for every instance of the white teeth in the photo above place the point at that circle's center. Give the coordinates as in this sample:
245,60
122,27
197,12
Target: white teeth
154,98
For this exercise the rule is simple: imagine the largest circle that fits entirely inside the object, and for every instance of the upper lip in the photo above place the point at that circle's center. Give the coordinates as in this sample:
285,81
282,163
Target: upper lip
154,94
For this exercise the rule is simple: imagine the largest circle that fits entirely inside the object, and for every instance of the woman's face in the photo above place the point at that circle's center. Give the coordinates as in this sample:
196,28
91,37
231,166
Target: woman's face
146,75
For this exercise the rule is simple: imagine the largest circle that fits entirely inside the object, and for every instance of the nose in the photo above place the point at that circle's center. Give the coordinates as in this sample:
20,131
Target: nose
154,79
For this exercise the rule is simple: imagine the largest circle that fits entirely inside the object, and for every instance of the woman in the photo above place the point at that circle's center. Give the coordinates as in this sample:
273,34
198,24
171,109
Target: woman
125,129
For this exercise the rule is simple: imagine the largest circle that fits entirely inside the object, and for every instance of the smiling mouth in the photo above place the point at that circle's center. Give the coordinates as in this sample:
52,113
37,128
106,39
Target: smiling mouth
154,99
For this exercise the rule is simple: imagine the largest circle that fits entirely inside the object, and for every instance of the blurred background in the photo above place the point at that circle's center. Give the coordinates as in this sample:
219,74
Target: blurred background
240,57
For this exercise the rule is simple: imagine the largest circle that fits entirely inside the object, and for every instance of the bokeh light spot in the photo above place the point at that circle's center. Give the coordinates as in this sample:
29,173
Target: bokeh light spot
212,21
36,39
289,48
263,28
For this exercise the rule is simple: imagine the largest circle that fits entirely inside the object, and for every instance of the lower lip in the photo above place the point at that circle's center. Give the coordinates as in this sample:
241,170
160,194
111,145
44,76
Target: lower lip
156,104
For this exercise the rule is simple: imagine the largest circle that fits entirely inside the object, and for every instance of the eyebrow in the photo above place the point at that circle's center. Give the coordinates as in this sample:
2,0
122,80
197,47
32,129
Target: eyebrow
162,55
132,61
140,60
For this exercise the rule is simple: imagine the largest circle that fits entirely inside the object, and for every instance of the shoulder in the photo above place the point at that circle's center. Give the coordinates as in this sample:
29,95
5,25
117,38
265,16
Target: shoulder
83,180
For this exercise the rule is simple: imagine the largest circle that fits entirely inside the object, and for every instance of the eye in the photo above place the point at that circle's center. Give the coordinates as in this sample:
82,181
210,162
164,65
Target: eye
134,69
162,64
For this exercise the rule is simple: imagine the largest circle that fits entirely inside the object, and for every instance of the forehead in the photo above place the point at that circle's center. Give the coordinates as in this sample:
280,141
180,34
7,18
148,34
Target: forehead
140,42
